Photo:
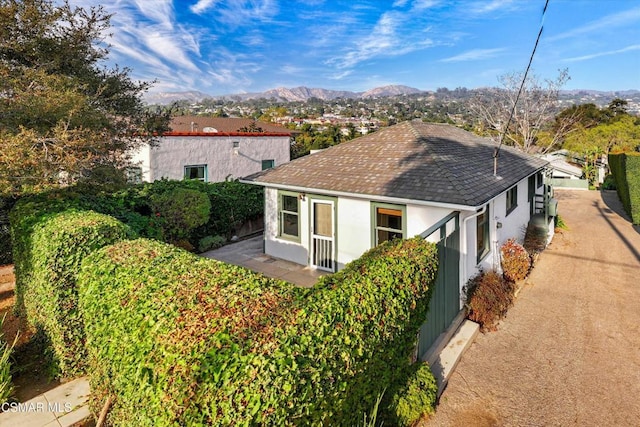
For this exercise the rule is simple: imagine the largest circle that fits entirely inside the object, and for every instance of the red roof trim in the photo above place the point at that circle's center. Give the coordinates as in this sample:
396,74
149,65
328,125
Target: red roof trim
172,133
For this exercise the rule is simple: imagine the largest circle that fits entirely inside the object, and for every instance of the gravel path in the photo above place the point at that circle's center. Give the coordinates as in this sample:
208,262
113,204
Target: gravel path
568,353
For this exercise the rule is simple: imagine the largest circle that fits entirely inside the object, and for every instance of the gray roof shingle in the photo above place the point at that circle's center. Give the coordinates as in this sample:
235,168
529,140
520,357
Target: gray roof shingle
412,160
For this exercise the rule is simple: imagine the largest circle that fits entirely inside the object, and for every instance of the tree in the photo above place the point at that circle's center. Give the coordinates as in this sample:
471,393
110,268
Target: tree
62,113
534,110
622,134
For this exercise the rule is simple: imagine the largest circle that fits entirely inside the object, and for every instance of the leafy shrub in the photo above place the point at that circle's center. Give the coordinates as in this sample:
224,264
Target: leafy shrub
625,168
489,296
559,223
535,240
609,183
417,398
208,243
176,339
180,211
6,203
48,255
515,261
6,387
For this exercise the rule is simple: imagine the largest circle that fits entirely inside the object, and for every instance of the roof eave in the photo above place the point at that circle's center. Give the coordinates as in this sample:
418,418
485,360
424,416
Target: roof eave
387,199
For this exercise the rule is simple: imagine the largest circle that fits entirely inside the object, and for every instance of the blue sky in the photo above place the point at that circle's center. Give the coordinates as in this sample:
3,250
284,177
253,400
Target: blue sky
223,47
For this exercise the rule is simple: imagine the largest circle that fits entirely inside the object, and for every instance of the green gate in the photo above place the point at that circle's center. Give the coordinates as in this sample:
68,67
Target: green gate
445,299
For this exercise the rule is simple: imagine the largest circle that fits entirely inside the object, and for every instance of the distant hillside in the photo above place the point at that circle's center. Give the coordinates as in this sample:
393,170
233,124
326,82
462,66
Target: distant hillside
303,94
392,90
300,94
165,98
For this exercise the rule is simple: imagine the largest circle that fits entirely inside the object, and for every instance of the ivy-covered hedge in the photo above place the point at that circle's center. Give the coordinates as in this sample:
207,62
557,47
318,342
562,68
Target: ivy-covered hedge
625,168
175,339
49,250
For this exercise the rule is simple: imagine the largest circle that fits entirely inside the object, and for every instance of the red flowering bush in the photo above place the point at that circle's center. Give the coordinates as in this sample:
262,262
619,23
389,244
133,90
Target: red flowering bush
516,262
489,296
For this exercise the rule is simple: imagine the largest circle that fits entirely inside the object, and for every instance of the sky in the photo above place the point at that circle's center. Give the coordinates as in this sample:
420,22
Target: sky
235,46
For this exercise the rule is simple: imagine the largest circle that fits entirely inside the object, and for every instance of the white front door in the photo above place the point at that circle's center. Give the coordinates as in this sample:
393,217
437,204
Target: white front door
322,235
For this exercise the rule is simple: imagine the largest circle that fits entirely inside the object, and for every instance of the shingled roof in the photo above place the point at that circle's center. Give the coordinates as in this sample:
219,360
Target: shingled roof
412,160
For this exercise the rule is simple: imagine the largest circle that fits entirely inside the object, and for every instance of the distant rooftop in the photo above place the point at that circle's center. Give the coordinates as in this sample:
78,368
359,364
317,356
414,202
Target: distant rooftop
226,125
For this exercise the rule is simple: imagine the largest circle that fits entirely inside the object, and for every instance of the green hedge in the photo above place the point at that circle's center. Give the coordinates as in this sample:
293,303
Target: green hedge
180,340
49,249
625,168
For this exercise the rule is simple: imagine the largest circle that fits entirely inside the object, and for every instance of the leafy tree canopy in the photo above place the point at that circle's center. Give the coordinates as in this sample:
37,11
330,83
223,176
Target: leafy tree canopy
62,113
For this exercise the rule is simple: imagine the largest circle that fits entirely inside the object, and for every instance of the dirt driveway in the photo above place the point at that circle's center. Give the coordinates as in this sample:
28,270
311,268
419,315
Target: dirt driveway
568,353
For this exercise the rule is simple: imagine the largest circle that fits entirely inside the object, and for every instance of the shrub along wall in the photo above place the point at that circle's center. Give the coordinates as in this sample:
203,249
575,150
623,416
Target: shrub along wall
180,340
625,168
51,248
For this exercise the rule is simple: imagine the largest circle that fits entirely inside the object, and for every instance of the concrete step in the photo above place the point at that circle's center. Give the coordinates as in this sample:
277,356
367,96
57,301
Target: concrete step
447,360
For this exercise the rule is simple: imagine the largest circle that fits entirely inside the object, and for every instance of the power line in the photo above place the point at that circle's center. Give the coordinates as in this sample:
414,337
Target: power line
496,152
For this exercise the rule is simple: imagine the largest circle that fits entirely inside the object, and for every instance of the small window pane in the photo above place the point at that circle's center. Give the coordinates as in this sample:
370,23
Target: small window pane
290,224
290,203
268,164
389,218
322,219
384,235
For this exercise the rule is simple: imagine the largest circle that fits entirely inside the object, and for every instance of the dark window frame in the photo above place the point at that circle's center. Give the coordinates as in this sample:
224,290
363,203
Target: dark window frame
205,173
511,199
483,235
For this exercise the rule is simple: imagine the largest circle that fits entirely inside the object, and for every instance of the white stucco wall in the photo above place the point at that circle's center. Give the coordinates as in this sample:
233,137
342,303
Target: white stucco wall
173,153
297,252
513,225
141,158
353,227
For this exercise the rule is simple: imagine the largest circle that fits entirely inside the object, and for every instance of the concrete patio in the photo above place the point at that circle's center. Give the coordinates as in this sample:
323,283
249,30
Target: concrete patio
248,253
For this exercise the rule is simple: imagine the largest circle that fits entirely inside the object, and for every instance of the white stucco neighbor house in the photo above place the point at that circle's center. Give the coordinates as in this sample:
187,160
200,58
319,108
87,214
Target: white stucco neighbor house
564,174
212,149
414,178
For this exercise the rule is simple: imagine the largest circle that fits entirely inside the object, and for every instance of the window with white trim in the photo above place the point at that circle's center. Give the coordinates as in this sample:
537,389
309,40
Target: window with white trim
198,172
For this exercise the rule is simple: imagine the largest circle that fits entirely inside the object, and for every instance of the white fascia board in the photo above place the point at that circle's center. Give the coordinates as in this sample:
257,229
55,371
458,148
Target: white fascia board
364,196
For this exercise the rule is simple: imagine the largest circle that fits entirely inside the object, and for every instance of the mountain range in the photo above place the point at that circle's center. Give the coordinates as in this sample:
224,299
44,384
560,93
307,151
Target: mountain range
302,94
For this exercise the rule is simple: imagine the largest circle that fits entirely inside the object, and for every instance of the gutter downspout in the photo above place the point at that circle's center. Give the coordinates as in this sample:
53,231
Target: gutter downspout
464,248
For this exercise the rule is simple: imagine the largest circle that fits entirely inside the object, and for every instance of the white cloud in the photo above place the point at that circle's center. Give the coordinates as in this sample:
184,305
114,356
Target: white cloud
160,11
607,53
483,7
202,6
609,22
474,55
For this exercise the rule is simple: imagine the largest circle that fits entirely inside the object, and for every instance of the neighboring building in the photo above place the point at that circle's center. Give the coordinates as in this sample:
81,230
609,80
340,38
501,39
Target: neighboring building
433,180
212,149
566,170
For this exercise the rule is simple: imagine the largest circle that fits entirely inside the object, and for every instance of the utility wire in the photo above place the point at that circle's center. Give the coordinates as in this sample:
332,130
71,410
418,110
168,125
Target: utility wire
496,152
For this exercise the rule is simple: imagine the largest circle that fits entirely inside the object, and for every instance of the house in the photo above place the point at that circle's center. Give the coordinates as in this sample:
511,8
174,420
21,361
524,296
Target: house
212,149
565,174
414,178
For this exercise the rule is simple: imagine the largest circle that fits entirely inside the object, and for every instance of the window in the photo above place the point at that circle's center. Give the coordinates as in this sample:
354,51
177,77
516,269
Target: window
288,216
532,194
389,222
198,172
482,234
539,179
268,164
512,199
